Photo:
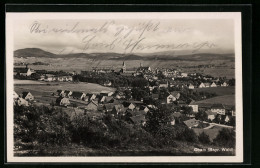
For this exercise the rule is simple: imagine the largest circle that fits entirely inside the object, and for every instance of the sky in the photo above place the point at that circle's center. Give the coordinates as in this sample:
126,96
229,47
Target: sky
124,36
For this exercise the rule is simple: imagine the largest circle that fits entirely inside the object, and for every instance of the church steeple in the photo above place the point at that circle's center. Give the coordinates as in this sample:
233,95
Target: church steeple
124,67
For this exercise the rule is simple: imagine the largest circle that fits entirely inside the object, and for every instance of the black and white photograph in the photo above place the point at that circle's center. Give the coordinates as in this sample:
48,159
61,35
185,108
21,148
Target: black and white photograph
124,87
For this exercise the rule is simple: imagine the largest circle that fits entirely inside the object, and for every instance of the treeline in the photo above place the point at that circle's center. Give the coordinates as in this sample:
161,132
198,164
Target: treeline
37,128
115,79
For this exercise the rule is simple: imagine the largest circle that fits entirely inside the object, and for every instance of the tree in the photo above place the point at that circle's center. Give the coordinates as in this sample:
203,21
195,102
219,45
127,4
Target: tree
204,138
187,110
157,118
155,90
225,137
217,119
232,82
35,76
201,115
139,94
232,121
128,94
187,135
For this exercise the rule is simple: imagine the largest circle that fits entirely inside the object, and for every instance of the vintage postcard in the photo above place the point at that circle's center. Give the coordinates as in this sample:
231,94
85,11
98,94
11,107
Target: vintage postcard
158,87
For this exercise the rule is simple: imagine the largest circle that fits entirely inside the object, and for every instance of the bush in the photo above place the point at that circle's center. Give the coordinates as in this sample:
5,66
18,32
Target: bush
187,135
225,137
204,138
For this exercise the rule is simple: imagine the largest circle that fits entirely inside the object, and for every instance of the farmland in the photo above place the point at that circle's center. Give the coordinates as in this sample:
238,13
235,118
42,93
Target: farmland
48,88
220,91
226,100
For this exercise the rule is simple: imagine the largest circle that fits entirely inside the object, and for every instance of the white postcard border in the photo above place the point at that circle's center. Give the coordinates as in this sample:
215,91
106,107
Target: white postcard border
236,16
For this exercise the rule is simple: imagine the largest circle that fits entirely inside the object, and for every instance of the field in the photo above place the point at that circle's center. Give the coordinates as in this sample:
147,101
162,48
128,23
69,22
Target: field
220,91
27,82
225,95
78,64
49,87
225,100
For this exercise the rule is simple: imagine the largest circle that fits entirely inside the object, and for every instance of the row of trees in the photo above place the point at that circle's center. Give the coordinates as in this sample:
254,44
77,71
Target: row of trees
115,79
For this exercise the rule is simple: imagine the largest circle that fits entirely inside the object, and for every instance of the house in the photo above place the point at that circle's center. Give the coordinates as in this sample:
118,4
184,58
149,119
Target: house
144,108
78,95
170,98
218,108
91,106
184,75
207,85
27,96
194,106
109,107
119,95
211,115
118,109
69,78
191,123
101,99
86,98
138,120
172,120
129,105
21,102
42,77
49,78
191,86
163,84
24,71
67,93
107,83
171,84
233,111
109,99
213,84
202,85
59,78
176,94
91,96
227,118
15,95
62,101
144,69
224,84
106,93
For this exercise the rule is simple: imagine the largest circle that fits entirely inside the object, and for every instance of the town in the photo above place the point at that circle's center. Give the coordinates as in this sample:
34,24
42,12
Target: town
141,94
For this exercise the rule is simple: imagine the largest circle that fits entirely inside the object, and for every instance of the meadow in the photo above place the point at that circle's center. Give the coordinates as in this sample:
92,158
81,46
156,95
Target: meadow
47,88
225,100
220,91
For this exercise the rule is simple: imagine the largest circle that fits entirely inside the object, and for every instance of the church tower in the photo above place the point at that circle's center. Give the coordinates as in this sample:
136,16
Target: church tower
124,67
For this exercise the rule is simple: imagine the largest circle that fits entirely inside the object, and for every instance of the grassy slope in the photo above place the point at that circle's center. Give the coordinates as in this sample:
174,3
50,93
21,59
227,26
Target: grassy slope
220,91
226,100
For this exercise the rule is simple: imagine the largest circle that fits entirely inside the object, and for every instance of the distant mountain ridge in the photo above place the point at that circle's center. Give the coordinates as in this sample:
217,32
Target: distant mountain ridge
183,55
